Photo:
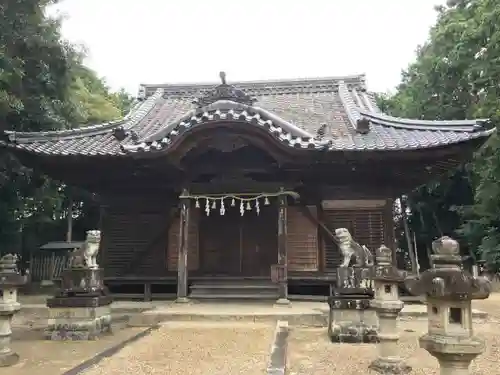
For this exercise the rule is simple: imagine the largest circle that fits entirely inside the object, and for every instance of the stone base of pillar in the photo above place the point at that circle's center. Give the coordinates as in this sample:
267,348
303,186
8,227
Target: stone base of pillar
390,366
454,367
78,323
283,302
8,359
182,300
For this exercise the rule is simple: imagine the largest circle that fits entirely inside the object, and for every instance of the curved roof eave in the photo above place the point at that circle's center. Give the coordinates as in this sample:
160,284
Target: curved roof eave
132,118
228,111
437,125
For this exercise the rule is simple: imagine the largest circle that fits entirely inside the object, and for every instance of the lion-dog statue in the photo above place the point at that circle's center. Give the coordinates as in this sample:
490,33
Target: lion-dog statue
350,248
86,255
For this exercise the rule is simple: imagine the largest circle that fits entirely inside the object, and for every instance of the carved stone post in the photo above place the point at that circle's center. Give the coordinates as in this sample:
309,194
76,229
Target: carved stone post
449,291
10,281
347,321
387,304
282,251
182,264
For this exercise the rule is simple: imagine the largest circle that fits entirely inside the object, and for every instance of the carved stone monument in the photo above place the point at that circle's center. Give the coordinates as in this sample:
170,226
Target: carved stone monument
386,278
81,308
449,291
351,297
10,281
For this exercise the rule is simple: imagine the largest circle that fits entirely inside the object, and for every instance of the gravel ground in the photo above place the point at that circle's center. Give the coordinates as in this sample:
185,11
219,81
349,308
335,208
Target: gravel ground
310,352
56,357
192,348
491,306
205,347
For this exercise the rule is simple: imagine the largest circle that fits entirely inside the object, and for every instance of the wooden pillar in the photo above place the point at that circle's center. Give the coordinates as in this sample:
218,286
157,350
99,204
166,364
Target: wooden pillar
182,270
282,253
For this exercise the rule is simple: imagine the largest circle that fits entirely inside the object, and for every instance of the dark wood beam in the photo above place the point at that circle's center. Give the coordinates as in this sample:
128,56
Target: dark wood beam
182,272
282,249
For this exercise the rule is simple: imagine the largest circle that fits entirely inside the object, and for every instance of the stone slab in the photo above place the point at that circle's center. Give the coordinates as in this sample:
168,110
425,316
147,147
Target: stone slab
78,312
277,360
80,301
72,323
302,313
158,315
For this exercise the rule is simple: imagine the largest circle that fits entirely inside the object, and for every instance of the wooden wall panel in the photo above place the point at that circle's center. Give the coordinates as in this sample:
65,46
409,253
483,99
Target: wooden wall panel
173,242
367,226
132,242
302,240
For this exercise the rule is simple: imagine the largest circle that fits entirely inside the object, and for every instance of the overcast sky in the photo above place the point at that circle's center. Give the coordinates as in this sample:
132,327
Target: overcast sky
167,41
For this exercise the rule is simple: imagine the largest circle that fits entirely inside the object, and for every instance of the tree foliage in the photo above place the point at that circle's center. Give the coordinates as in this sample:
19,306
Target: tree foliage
43,86
455,76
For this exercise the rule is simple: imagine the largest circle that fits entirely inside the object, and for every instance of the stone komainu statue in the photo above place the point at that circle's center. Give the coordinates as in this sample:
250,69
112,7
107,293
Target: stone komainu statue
86,256
350,248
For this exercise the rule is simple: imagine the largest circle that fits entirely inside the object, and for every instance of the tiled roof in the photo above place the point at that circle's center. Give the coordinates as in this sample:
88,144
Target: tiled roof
336,114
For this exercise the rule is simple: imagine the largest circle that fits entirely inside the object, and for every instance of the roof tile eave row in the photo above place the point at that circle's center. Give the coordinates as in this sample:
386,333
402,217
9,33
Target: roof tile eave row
230,112
344,145
433,125
297,142
134,117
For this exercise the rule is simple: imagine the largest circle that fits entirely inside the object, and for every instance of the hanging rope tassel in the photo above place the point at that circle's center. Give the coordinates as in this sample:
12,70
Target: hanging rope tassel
222,210
207,207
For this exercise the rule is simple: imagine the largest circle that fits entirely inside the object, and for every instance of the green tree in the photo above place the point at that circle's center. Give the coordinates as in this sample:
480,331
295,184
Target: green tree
455,76
43,86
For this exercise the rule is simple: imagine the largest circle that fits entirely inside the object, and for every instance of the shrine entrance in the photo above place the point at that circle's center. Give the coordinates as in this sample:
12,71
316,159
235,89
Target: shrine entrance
239,245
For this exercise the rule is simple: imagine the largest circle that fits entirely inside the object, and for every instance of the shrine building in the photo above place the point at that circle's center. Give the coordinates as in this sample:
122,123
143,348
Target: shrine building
212,189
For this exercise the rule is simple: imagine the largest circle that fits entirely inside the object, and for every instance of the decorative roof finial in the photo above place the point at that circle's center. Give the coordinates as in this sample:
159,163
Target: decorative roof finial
222,76
224,92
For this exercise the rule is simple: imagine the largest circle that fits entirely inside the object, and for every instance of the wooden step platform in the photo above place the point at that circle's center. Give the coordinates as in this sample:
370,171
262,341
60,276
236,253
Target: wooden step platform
234,290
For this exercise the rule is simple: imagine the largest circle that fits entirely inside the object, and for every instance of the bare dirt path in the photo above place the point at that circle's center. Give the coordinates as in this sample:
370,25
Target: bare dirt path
195,348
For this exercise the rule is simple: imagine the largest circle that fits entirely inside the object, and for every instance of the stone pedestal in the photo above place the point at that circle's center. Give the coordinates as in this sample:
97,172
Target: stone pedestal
81,309
347,322
10,281
453,354
449,291
387,305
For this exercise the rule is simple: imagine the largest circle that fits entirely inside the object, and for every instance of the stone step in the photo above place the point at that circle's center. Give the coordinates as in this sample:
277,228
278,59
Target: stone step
233,286
157,316
233,296
234,290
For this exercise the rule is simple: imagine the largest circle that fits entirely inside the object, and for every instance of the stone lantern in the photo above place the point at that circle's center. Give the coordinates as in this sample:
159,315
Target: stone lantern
10,281
449,291
386,278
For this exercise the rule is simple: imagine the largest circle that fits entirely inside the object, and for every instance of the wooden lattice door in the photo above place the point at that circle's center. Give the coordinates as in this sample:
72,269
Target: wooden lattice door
220,243
259,242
